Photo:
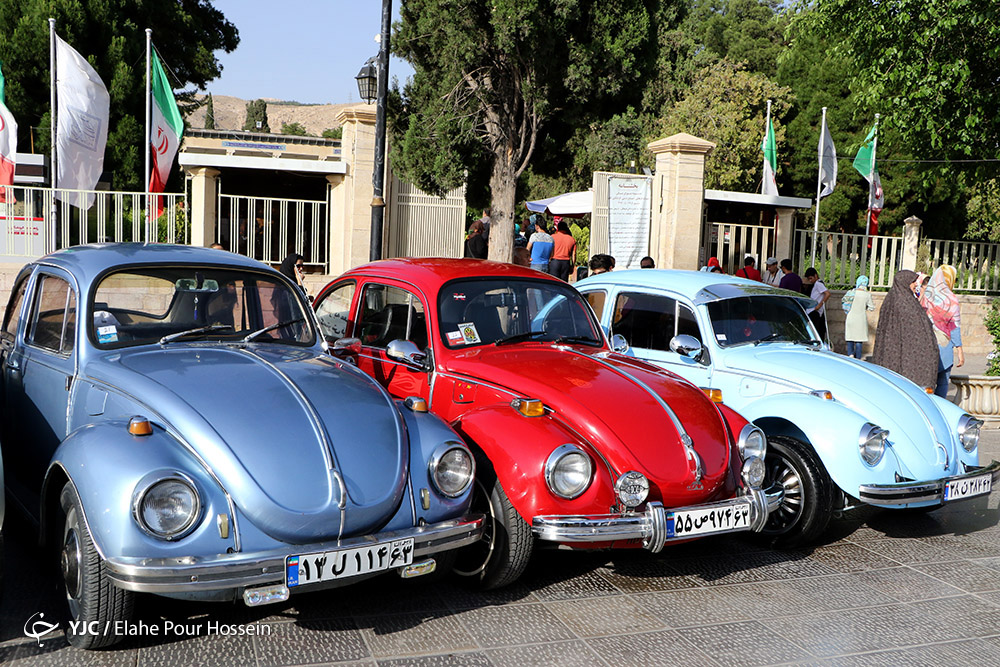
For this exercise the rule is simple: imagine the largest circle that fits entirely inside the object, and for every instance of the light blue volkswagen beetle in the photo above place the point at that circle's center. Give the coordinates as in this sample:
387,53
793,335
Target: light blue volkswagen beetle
839,430
175,424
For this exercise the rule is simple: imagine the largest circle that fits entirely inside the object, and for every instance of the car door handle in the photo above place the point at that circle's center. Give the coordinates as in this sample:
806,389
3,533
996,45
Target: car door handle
13,365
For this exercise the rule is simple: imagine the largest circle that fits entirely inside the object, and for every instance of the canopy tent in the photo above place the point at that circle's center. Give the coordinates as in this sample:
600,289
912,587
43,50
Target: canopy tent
570,204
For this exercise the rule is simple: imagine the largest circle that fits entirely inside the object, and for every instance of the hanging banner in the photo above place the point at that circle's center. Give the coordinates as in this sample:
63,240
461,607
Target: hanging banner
628,220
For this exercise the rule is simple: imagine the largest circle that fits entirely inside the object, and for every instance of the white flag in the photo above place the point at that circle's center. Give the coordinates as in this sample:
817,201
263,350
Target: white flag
84,108
8,149
827,161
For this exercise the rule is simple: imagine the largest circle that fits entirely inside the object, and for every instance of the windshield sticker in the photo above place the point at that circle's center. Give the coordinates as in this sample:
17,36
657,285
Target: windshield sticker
720,336
458,296
108,334
469,333
455,336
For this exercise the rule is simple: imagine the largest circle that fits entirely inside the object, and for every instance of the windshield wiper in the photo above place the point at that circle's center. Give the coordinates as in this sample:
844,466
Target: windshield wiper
808,342
768,338
277,325
191,332
524,335
575,339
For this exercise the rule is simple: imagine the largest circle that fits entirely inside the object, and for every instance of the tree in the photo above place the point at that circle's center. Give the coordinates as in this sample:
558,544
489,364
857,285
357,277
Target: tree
488,76
209,114
333,133
295,128
110,34
257,113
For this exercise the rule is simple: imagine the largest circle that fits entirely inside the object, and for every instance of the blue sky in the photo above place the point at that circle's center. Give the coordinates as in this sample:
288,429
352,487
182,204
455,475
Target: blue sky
301,50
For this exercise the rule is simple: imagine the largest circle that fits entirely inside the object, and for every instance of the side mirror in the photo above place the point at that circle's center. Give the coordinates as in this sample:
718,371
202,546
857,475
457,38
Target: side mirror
619,344
686,345
406,352
344,347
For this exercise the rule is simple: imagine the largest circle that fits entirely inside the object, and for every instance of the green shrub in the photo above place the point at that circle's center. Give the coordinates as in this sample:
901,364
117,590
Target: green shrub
992,323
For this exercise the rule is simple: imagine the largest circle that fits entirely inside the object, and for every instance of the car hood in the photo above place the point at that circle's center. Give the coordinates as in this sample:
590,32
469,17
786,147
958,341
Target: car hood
602,397
882,397
275,425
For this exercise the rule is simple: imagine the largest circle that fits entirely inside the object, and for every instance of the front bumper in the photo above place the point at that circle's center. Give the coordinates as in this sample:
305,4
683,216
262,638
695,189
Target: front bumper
655,526
240,570
906,493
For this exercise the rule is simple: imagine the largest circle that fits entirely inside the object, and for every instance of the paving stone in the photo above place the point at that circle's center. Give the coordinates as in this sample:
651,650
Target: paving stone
651,648
517,624
58,653
965,546
596,617
836,633
842,591
905,584
768,599
552,586
969,575
204,650
696,606
640,575
399,635
908,550
444,660
565,654
963,617
974,652
766,566
746,643
848,557
307,642
468,597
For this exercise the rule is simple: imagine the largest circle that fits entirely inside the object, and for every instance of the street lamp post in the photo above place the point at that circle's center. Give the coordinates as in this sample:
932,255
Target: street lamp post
377,73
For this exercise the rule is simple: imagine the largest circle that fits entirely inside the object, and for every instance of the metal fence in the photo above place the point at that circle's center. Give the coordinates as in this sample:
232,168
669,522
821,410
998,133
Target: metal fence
975,263
841,258
269,228
731,243
422,225
39,220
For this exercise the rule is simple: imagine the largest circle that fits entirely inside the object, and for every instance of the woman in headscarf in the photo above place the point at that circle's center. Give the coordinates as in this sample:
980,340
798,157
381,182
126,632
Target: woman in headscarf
904,339
475,245
945,313
857,302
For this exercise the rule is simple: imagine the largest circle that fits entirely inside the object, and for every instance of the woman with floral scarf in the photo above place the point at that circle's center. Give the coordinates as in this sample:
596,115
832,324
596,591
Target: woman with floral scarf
943,308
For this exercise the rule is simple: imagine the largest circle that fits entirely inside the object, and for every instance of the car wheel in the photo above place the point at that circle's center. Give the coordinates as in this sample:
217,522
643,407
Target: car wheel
808,503
502,555
92,599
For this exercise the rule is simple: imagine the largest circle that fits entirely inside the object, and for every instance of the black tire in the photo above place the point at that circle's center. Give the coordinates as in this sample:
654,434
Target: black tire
503,553
90,596
808,503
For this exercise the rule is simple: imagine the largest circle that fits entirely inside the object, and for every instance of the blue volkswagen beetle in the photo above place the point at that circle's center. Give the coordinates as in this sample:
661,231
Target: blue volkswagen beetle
839,430
176,425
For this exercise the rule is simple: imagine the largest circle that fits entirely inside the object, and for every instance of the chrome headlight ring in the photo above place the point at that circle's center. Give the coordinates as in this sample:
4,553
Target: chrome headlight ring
753,472
632,489
166,505
451,468
568,471
871,443
968,432
752,442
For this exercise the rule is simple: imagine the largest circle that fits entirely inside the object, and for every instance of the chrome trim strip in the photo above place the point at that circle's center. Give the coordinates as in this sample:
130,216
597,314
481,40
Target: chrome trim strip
476,380
905,493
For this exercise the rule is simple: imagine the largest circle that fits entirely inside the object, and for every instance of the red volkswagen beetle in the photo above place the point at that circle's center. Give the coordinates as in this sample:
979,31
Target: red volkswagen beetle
575,443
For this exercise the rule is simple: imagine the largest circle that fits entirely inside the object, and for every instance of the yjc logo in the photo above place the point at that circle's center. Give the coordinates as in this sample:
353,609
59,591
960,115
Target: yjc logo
38,629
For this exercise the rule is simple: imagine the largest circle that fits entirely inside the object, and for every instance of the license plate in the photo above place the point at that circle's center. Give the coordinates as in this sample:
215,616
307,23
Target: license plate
968,487
344,563
710,520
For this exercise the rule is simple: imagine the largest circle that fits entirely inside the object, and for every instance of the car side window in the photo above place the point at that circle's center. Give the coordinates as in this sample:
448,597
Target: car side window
650,321
53,320
13,314
596,300
334,311
390,313
687,323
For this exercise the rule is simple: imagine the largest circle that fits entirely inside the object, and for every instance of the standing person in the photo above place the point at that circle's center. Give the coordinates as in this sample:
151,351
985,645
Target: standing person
944,310
600,264
748,270
857,302
540,245
904,338
818,293
563,252
486,220
647,263
475,245
713,264
771,275
789,279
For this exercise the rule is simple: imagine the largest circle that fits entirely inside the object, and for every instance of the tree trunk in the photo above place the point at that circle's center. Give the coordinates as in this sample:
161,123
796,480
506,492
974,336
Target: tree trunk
503,186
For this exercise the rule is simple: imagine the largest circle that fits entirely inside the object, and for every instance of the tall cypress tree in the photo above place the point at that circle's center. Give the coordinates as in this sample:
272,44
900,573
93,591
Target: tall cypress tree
257,111
210,114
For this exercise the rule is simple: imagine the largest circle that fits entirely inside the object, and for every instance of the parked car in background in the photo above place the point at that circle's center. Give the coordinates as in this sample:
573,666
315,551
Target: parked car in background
840,430
176,426
574,444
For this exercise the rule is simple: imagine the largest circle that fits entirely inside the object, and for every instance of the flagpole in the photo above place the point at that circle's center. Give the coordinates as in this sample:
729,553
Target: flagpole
871,190
145,152
767,126
819,187
53,175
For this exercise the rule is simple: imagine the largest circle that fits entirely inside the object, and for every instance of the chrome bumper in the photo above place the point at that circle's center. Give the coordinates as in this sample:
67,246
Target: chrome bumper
654,526
240,570
905,493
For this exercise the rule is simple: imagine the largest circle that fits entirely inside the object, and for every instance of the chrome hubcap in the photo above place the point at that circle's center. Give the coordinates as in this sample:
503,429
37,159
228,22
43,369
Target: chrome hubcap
70,561
473,559
780,471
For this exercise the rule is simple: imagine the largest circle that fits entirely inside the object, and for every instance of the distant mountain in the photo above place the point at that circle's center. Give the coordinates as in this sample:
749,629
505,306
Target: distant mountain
230,112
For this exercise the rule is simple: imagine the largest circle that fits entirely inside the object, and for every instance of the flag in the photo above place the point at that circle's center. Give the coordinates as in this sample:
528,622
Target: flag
827,161
166,130
8,146
83,110
770,186
865,164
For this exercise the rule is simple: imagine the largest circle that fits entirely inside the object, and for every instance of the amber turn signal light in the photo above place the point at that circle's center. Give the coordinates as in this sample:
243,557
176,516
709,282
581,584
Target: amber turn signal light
529,407
714,395
139,425
929,390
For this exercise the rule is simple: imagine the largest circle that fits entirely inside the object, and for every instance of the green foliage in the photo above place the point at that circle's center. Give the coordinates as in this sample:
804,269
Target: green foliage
582,236
110,34
333,133
210,114
992,324
983,211
296,128
257,113
180,225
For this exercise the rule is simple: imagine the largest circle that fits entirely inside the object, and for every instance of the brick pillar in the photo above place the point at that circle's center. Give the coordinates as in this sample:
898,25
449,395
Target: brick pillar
203,214
911,242
351,194
678,200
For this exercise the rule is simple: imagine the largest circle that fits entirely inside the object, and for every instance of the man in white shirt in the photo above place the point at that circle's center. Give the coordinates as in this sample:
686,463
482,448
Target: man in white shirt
771,275
819,294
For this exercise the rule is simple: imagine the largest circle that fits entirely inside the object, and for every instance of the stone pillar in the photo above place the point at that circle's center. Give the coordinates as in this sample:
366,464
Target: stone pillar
678,200
351,194
203,214
911,242
784,236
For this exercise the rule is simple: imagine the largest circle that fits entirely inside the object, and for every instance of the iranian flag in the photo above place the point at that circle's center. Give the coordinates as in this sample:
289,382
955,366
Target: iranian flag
166,130
8,146
770,186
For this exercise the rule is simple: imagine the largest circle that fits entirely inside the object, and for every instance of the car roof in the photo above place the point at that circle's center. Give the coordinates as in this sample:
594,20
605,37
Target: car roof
700,286
431,272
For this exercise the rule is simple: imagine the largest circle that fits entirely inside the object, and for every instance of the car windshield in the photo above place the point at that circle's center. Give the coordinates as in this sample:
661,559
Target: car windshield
481,312
164,304
759,319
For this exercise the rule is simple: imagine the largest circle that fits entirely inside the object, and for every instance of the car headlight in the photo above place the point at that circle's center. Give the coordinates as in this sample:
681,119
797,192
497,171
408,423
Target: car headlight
871,443
452,468
752,442
166,506
753,472
968,432
632,489
568,471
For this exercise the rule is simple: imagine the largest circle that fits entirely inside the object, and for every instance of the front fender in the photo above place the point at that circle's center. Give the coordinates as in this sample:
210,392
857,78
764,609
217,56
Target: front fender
831,428
105,464
517,448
